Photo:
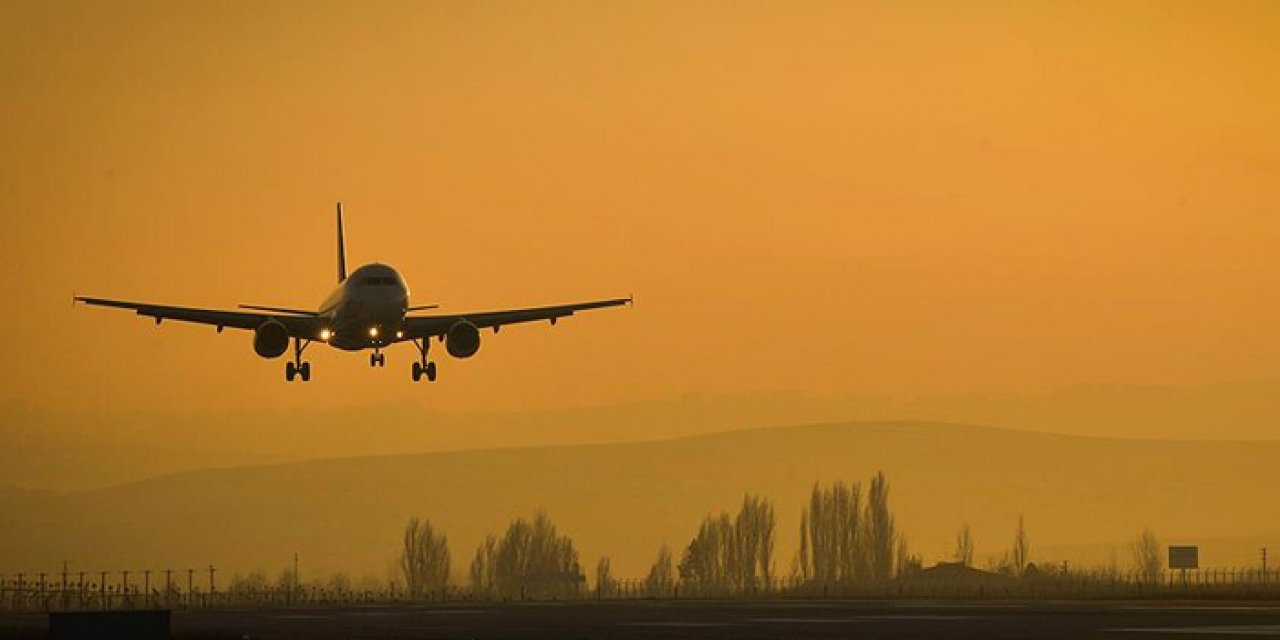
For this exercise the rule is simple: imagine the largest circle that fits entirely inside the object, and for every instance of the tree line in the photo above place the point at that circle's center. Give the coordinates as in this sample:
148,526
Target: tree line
847,536
729,553
530,559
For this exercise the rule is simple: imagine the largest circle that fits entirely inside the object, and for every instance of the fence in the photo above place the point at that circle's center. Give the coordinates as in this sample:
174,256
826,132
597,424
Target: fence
1206,583
191,589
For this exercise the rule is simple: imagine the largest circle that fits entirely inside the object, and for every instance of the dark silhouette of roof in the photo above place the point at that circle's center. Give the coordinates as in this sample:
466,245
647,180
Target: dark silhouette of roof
958,571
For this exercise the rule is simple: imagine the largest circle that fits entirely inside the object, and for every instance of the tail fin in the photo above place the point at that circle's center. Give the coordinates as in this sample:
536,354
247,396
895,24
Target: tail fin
342,249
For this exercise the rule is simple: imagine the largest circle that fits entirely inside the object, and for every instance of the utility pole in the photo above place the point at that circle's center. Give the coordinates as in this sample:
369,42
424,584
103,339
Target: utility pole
1264,565
211,587
146,587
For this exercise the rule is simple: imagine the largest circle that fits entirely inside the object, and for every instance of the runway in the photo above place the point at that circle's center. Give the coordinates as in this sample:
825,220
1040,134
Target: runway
773,619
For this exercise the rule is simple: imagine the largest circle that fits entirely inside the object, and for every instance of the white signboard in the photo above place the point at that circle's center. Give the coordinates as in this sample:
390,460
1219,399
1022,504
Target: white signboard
1184,557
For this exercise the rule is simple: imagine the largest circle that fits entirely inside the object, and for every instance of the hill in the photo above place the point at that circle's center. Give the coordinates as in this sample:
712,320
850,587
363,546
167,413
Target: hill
625,500
68,449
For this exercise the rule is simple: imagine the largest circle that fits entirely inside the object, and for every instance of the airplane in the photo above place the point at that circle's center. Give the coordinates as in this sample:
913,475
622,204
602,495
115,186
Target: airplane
369,309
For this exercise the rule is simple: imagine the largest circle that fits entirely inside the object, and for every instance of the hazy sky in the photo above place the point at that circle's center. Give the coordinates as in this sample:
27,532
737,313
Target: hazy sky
843,197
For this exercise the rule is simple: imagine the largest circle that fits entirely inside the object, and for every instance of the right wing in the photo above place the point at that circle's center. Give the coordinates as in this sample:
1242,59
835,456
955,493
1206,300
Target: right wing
305,327
427,326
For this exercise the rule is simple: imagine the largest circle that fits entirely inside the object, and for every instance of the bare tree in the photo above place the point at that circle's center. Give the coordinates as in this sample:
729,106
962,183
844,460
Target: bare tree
753,543
907,564
604,577
843,538
483,576
964,546
424,558
732,554
707,556
661,576
1146,556
880,528
832,534
530,559
1021,548
802,563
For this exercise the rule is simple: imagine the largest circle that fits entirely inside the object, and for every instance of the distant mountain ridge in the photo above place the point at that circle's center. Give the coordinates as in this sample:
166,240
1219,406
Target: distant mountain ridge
627,499
68,450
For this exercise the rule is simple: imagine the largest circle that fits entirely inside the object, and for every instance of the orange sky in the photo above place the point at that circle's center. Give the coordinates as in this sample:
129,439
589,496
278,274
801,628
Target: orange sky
836,198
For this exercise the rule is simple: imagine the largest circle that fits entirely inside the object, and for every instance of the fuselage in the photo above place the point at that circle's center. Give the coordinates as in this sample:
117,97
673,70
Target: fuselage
367,309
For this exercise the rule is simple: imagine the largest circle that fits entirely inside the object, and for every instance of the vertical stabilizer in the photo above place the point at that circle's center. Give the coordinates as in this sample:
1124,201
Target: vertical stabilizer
342,249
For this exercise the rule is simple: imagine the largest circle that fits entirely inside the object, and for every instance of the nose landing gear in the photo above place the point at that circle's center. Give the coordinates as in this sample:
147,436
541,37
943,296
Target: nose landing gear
298,368
423,366
377,358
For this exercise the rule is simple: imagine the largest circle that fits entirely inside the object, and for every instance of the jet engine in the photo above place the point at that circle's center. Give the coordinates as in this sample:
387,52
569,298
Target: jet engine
270,339
462,340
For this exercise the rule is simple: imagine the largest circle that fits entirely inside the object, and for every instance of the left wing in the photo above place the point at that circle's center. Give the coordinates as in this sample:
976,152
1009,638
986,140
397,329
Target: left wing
304,327
427,326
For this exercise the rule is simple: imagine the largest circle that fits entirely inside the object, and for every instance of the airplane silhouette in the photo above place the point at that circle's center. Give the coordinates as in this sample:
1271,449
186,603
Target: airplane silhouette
368,310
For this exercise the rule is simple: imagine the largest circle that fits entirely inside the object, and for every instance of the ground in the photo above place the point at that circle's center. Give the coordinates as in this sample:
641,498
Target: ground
774,619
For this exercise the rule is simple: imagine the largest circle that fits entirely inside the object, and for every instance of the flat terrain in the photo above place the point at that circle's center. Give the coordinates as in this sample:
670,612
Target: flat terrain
758,619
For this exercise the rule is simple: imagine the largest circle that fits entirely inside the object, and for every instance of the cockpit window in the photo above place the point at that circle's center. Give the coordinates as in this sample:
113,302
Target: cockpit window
378,281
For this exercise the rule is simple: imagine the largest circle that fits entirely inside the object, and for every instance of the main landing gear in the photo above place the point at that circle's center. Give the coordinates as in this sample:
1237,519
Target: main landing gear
423,365
298,367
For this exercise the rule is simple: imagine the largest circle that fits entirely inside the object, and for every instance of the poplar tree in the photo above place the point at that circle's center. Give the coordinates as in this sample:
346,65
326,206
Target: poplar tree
424,558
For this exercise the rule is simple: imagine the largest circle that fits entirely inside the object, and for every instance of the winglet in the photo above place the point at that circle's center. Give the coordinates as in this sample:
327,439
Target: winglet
342,249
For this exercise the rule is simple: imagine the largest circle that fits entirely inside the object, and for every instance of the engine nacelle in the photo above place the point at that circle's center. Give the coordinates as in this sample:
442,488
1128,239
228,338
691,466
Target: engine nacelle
270,339
462,340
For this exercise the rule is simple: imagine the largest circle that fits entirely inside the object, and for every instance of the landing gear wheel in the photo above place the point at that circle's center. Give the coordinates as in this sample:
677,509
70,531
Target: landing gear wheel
382,359
298,367
423,366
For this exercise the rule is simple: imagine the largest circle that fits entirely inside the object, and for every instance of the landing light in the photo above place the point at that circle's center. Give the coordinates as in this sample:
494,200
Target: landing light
373,332
325,334
399,334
